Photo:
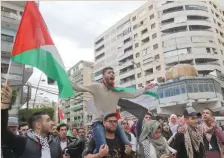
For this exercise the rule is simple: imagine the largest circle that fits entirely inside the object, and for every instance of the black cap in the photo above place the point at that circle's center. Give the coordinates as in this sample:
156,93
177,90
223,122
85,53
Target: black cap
109,115
190,112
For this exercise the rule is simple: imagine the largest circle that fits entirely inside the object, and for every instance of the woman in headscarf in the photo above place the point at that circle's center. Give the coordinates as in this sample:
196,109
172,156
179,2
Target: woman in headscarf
173,123
152,144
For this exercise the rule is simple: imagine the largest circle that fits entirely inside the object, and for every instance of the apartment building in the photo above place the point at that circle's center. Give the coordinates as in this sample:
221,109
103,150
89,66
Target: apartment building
157,36
74,108
11,14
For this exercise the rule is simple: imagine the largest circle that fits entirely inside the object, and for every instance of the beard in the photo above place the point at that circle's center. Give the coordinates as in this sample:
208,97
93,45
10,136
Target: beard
109,130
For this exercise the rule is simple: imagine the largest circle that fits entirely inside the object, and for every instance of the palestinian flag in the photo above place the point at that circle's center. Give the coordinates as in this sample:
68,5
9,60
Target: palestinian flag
34,46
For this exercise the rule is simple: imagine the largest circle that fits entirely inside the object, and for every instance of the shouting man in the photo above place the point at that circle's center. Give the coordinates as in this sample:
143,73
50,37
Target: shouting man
106,98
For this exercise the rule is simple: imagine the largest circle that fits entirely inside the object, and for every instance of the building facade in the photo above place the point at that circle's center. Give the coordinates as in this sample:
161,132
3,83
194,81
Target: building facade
74,109
159,35
11,14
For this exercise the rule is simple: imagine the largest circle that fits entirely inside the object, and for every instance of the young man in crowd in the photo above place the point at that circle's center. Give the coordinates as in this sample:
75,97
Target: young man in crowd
106,97
63,139
54,131
113,148
74,132
23,128
190,143
12,127
82,135
37,143
213,136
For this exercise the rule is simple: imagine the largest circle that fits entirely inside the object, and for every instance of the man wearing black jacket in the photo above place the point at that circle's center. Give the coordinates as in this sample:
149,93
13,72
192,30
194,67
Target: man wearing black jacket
37,143
190,143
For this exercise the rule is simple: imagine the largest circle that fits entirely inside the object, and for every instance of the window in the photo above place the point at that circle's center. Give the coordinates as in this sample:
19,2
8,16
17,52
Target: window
155,46
177,90
154,35
208,50
137,55
135,26
141,23
153,26
4,68
128,49
152,16
201,88
136,45
195,88
138,65
126,31
7,38
206,87
127,40
157,57
134,18
158,68
195,7
144,31
139,75
135,36
173,9
211,88
161,93
150,7
140,85
189,88
146,40
183,89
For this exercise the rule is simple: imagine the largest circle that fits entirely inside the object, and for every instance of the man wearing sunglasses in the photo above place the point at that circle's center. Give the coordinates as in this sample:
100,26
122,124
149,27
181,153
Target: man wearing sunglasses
113,148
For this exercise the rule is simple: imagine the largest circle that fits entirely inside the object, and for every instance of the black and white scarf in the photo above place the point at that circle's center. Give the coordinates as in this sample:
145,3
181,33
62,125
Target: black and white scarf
45,149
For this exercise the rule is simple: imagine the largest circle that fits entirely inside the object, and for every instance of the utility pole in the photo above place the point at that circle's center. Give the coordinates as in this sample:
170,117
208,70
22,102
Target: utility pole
28,97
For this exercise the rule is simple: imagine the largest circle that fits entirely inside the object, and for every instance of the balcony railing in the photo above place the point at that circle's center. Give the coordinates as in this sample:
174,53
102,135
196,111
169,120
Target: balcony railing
11,15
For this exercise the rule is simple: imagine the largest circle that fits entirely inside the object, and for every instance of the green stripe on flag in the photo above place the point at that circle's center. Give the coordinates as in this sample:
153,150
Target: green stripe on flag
44,61
132,90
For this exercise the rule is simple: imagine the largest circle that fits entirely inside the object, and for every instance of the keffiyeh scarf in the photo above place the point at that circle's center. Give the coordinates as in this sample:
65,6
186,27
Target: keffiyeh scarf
45,149
160,144
192,139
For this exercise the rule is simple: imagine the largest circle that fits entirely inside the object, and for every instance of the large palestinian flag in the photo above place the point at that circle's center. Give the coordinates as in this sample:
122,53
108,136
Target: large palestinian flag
34,46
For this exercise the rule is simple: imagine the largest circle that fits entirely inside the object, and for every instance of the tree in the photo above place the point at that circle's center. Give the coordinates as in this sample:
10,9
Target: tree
24,113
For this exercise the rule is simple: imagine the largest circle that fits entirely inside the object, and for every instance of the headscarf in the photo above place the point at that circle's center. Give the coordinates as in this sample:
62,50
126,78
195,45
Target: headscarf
173,124
160,144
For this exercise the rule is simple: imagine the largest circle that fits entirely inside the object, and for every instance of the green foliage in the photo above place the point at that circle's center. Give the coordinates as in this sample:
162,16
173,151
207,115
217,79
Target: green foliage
24,113
14,95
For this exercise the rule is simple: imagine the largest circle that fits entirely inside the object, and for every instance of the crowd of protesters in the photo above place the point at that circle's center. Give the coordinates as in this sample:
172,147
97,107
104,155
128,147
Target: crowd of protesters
192,135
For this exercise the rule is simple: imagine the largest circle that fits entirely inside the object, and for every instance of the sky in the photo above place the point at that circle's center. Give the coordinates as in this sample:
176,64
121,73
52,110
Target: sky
74,25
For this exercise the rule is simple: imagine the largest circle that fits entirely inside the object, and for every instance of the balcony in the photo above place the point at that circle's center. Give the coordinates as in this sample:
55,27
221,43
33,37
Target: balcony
6,47
77,107
11,19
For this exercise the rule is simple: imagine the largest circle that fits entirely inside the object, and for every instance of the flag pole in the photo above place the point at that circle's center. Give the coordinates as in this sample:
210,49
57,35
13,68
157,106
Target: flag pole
7,75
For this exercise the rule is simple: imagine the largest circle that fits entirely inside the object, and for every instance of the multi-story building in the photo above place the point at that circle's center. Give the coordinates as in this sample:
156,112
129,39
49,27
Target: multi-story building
11,14
74,108
159,35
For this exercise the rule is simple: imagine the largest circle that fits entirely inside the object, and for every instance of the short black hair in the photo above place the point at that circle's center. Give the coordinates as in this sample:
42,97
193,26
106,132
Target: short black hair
35,117
22,124
62,125
75,129
209,110
106,68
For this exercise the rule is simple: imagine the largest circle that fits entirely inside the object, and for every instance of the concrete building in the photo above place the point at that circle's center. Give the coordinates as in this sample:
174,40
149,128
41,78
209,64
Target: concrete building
74,108
159,35
183,87
11,14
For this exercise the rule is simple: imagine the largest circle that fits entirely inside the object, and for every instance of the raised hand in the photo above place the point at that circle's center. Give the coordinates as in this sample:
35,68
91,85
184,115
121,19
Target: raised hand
6,96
